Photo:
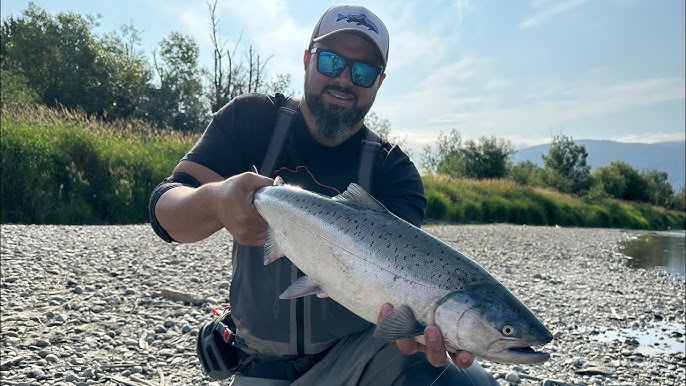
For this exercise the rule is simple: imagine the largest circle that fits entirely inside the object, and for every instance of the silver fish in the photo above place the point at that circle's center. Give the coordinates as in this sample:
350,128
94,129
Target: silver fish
352,249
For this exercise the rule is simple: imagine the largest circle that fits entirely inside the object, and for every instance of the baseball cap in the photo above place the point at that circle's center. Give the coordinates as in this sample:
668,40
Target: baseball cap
353,19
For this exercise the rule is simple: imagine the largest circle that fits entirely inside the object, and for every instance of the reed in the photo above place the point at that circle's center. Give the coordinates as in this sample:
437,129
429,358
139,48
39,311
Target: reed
63,167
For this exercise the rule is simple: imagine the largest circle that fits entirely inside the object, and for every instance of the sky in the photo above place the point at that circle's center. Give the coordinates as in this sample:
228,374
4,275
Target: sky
521,70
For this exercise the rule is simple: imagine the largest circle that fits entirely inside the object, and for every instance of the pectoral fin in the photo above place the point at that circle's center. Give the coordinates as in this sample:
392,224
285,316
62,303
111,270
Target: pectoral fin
400,323
272,251
302,287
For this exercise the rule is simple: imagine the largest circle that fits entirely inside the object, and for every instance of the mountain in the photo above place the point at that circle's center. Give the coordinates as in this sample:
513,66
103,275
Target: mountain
663,156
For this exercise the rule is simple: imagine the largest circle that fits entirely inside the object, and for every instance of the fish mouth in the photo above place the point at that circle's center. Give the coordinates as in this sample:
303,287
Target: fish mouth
524,355
519,351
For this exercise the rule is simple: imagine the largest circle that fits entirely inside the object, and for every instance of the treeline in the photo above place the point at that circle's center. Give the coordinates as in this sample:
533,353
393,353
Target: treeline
60,62
63,167
565,170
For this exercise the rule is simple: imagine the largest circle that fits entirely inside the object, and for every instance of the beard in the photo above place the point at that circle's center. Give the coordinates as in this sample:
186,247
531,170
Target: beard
334,122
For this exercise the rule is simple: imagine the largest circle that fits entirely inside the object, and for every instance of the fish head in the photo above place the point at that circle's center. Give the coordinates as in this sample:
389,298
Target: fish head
487,320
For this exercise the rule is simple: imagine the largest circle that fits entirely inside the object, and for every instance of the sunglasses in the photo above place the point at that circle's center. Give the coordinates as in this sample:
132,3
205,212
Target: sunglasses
332,65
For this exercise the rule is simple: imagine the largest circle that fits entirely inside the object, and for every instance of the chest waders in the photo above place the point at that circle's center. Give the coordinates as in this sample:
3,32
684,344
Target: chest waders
296,327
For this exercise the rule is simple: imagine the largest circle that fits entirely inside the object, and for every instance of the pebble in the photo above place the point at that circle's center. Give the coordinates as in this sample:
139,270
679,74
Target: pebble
52,358
100,301
512,377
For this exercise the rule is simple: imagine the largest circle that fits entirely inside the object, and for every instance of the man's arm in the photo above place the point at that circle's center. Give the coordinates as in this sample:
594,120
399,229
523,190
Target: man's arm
192,214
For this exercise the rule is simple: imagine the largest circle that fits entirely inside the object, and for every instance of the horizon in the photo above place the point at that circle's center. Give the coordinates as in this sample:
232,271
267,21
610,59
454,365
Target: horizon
522,71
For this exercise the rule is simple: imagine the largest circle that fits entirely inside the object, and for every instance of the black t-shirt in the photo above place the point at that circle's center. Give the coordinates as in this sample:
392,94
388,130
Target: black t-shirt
239,135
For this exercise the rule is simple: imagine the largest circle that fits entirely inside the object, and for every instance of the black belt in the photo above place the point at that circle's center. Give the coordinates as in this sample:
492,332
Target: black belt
282,369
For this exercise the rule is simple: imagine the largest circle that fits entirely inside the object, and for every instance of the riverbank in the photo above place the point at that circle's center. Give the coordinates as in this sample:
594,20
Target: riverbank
87,305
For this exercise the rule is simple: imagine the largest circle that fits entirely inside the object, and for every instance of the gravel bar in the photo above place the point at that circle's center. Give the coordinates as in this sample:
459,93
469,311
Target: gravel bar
114,305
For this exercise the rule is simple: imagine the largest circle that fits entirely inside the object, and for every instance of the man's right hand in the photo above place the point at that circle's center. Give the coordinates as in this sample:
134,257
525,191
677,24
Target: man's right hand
233,203
192,214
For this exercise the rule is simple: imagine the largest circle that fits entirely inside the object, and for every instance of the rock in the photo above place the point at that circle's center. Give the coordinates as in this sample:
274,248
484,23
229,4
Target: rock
51,358
512,377
122,269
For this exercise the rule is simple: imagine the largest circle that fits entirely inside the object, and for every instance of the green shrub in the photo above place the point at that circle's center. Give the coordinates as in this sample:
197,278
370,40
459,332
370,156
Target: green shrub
65,169
495,209
437,206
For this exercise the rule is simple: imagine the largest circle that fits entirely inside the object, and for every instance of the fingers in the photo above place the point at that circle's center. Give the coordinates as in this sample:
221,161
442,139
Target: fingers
236,210
406,346
385,309
435,349
253,181
462,359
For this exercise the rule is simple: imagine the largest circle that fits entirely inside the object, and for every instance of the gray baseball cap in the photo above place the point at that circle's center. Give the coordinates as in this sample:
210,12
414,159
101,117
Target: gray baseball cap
353,19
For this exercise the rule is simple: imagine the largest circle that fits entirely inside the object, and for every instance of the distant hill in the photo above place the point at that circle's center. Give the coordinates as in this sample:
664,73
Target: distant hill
664,156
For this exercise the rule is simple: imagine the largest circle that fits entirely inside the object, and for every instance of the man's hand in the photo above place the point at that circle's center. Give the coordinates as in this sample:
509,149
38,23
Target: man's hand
235,209
434,348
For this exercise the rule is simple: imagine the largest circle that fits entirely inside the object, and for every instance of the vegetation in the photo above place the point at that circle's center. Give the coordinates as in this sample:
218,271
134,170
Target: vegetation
504,201
565,171
58,61
90,125
60,167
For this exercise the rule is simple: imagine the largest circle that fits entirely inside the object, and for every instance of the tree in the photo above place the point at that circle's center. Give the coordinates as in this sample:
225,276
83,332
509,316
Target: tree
226,81
677,201
567,162
177,101
231,78
445,158
488,158
58,57
15,87
382,127
622,181
130,75
59,61
658,188
526,173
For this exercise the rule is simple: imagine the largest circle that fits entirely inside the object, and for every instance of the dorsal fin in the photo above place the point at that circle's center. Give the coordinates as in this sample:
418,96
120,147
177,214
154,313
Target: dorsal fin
355,195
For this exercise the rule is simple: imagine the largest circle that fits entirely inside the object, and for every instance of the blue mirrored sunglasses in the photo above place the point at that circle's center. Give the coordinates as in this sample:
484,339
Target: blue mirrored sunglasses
332,65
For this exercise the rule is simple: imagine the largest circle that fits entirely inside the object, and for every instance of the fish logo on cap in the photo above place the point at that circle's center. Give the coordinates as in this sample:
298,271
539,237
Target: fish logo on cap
359,19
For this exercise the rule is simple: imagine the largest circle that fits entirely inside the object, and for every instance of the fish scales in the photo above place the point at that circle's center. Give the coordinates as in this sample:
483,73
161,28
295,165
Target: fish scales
428,259
355,251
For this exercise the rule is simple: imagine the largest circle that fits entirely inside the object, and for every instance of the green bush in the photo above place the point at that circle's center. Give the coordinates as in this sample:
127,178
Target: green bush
62,169
523,211
495,209
437,206
478,201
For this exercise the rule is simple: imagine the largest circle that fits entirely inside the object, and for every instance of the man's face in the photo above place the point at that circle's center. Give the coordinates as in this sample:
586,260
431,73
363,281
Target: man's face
337,104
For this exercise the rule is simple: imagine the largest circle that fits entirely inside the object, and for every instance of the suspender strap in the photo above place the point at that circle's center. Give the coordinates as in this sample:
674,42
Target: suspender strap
284,120
370,146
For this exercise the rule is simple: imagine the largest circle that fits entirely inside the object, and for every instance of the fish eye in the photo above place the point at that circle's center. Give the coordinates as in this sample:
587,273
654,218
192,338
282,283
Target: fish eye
508,330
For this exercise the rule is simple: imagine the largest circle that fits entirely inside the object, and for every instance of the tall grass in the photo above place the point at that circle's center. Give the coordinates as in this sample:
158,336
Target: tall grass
62,167
483,201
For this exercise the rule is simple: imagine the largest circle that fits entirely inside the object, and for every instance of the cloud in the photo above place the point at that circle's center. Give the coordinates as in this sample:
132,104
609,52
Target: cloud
559,106
549,12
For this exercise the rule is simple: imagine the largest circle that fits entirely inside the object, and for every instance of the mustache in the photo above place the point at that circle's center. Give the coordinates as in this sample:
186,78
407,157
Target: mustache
344,90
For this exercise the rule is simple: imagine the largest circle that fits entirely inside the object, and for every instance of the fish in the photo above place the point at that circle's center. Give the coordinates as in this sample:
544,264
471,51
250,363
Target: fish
359,19
352,249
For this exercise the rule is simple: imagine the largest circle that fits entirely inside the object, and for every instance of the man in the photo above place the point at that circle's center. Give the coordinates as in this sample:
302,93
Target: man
308,340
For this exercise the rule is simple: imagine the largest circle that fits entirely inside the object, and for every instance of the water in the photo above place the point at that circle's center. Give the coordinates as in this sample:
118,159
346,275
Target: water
657,339
658,250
